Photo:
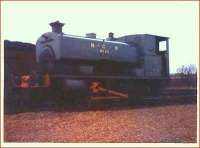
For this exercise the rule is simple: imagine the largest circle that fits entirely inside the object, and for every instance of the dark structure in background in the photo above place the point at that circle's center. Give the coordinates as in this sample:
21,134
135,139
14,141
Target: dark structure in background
178,81
19,59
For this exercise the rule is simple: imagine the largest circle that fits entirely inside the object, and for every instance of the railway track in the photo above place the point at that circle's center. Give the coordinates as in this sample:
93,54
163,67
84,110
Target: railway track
165,93
178,93
23,101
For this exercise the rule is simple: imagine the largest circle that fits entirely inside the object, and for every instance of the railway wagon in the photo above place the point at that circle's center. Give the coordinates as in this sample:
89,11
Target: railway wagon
19,59
128,66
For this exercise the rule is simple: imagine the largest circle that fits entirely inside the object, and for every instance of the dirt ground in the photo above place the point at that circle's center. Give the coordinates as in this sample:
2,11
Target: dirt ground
109,121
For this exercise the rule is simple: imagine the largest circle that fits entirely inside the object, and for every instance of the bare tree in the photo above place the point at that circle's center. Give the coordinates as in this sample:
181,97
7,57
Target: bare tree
188,74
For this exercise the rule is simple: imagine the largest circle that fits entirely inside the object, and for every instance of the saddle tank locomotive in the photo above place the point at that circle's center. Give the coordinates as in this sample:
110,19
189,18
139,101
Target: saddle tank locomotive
130,66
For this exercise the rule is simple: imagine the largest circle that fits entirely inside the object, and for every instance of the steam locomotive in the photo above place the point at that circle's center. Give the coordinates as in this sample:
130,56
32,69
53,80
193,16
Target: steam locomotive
129,66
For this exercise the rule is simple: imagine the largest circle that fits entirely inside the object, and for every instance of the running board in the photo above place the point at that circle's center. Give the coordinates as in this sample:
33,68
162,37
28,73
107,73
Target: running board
105,77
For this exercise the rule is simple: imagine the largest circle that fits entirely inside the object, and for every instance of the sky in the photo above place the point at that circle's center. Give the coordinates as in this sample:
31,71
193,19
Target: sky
27,21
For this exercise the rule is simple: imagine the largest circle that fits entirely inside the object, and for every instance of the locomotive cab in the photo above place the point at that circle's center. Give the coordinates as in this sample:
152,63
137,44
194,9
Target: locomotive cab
153,51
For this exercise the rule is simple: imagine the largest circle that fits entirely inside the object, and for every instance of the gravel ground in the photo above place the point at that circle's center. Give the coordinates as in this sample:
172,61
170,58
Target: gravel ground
117,122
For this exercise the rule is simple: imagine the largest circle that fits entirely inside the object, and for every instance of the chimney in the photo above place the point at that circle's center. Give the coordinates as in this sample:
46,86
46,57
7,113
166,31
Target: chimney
57,26
110,36
91,35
